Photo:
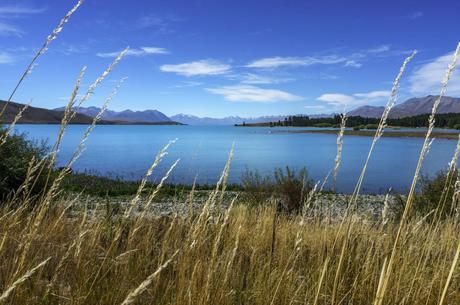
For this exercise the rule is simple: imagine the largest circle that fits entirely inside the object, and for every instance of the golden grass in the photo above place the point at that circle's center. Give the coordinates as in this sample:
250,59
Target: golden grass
231,261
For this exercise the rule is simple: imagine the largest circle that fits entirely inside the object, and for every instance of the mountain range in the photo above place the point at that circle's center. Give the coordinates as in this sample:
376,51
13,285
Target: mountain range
411,107
151,116
230,120
34,115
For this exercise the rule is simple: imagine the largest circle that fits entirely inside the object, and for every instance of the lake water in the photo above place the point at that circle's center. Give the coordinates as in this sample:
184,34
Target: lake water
127,151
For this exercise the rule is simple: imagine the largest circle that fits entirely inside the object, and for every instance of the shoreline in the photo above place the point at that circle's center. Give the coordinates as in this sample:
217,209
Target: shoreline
371,133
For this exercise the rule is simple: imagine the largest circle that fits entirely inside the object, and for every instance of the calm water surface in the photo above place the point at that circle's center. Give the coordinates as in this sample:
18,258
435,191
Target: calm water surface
127,151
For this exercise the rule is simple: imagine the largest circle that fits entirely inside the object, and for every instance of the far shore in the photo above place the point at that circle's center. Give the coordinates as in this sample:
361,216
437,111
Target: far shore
371,133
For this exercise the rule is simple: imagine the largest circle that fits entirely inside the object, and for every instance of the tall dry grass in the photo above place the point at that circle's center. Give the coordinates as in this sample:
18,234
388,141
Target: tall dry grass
230,261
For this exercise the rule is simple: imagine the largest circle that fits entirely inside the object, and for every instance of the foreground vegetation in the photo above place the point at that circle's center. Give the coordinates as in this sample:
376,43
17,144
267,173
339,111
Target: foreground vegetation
246,256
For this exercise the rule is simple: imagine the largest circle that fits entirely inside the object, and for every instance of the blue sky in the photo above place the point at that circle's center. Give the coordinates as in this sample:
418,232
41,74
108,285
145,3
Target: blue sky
221,58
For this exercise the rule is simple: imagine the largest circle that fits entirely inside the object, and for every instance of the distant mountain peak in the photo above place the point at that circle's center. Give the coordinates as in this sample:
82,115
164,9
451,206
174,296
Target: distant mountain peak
411,107
128,115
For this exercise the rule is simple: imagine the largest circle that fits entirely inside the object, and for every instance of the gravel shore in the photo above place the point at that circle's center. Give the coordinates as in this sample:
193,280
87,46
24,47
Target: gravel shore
331,206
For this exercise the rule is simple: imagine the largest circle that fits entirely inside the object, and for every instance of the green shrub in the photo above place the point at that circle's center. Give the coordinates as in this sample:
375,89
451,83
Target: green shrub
287,187
15,156
457,126
434,197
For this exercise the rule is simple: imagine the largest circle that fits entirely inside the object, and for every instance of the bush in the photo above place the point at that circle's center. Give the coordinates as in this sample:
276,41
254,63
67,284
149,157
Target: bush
286,186
436,193
457,126
434,197
15,156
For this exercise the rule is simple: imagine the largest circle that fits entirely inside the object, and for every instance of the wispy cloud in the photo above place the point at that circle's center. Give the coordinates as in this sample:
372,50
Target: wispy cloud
12,12
5,58
353,64
258,79
278,61
352,59
17,11
155,24
10,30
69,49
186,84
198,68
136,52
427,78
415,15
253,94
344,101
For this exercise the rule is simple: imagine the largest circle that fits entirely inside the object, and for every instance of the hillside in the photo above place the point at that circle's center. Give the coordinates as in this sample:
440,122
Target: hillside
411,107
35,115
149,116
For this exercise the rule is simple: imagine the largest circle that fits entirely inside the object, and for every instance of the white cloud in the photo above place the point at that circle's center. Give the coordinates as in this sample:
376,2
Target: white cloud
257,79
136,52
427,78
379,49
197,68
5,58
10,30
253,94
358,99
373,95
348,60
352,63
16,11
278,61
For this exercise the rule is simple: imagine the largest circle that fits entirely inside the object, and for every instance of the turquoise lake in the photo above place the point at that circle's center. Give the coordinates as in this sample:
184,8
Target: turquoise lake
127,152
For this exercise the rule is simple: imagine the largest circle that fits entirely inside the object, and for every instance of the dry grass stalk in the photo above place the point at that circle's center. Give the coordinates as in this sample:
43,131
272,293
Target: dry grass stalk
320,282
386,209
22,279
449,178
382,125
161,154
425,147
132,296
338,157
67,115
10,128
449,277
